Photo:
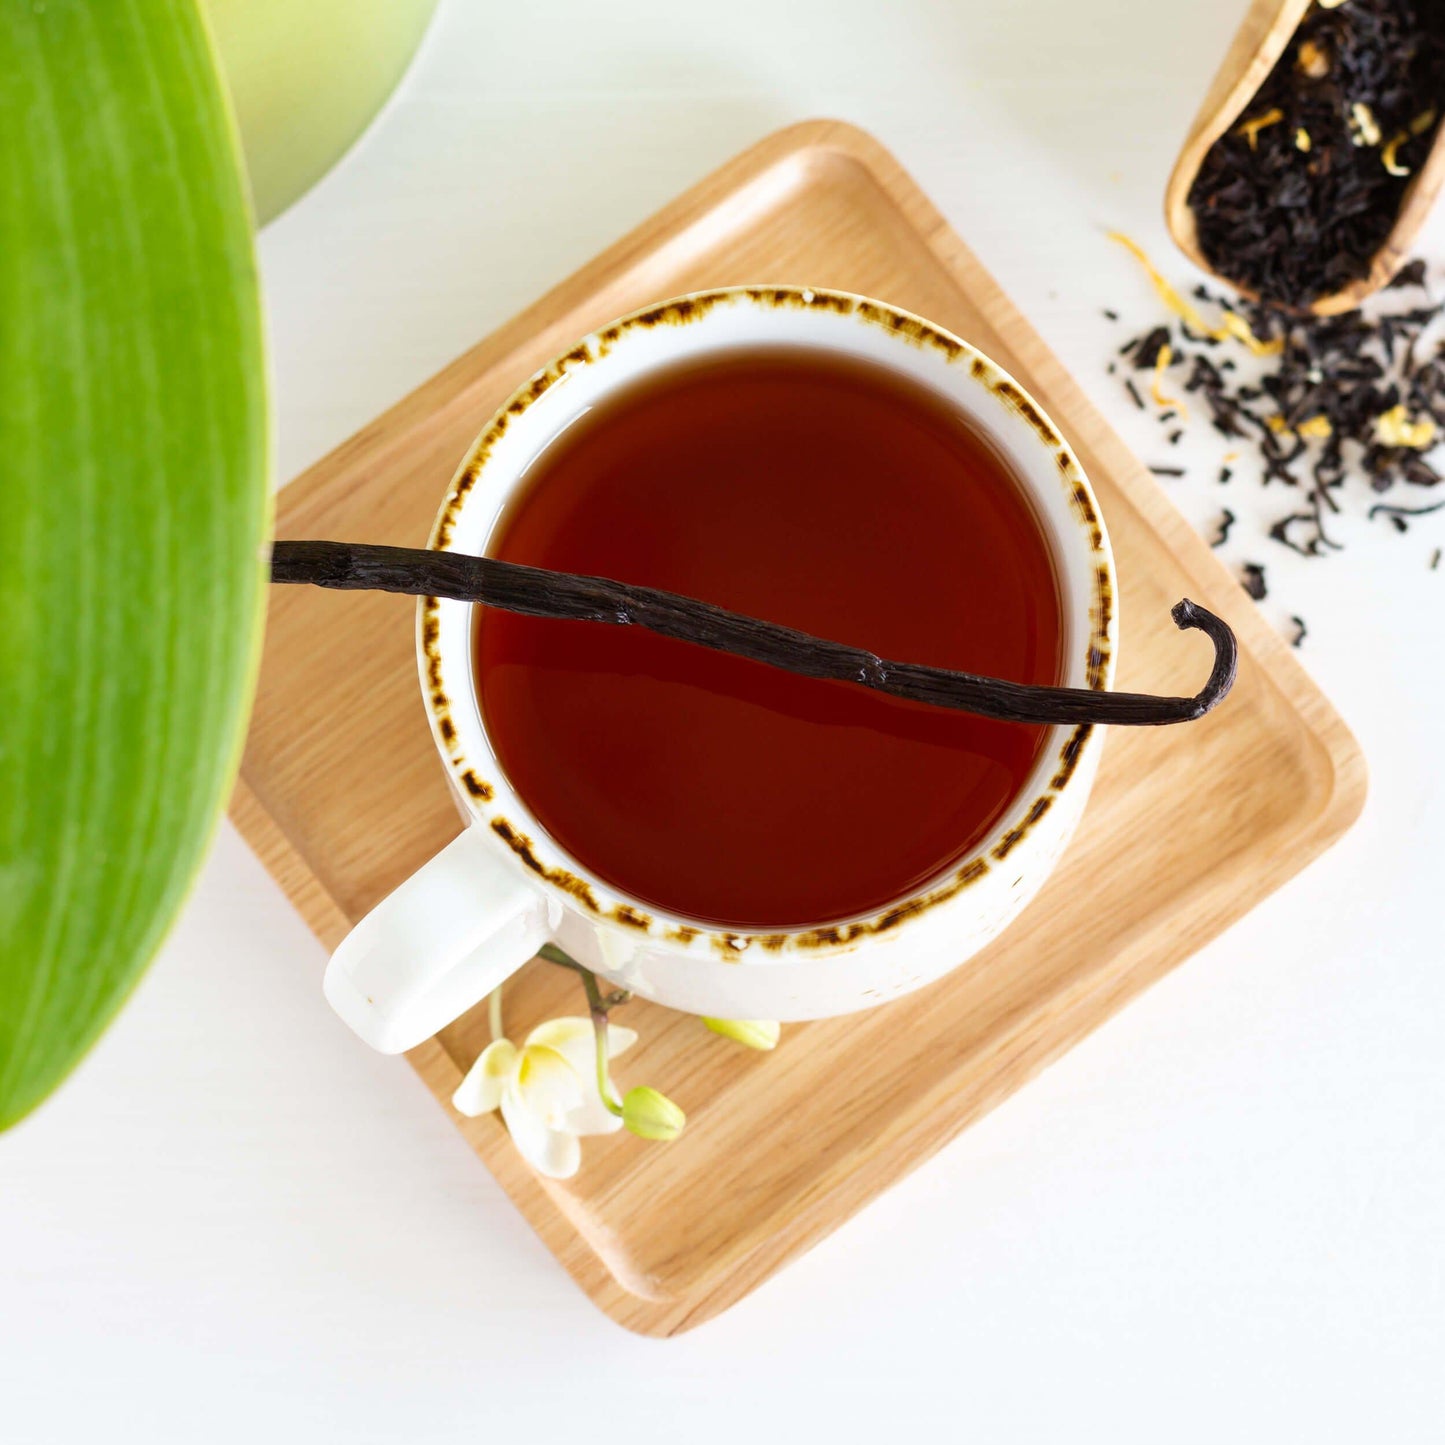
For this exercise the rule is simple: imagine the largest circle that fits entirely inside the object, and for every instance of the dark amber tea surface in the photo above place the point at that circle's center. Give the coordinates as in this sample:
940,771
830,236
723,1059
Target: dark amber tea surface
807,489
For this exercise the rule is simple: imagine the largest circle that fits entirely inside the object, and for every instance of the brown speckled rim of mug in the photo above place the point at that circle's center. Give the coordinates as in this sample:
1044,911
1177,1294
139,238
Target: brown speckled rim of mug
1021,818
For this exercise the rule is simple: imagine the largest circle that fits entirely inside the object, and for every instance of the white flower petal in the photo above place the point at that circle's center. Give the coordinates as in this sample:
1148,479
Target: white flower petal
573,1038
565,1034
551,1152
592,1116
546,1085
619,1039
481,1091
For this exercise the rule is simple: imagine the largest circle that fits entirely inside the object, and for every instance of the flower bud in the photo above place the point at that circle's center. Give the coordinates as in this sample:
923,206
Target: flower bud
750,1033
652,1115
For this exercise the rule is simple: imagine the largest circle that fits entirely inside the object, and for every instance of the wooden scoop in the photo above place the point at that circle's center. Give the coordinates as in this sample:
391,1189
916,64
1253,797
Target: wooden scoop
1264,36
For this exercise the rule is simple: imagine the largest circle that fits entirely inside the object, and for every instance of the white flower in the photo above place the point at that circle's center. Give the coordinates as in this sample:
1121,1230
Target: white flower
546,1090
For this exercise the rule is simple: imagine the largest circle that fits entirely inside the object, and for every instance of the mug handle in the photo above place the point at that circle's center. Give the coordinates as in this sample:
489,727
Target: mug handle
457,928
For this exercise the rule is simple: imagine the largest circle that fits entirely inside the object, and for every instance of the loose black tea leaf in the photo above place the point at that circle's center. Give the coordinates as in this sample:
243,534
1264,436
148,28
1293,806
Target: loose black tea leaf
1318,400
1252,580
1435,560
1304,532
1167,471
1300,631
540,592
1146,354
1412,273
1226,521
1398,515
1295,201
1134,392
1112,315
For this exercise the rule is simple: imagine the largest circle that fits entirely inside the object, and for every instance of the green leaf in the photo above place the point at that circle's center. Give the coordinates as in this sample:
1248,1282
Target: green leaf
134,503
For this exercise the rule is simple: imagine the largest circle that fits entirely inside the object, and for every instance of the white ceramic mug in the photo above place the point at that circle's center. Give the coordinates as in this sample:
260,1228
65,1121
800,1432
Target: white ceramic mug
483,906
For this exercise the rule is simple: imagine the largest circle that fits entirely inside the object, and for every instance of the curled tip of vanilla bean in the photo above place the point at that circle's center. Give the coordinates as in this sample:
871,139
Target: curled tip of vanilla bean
538,592
1186,615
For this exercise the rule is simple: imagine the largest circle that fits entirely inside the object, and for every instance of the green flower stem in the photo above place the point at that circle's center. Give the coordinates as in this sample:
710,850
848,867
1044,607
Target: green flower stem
598,1007
553,954
608,1094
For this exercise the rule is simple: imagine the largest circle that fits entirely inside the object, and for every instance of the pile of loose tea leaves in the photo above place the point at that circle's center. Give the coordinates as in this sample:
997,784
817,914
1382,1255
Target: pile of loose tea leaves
1341,415
1294,202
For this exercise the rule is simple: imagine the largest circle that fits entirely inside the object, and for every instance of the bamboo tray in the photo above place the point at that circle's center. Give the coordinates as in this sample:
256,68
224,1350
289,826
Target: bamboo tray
342,796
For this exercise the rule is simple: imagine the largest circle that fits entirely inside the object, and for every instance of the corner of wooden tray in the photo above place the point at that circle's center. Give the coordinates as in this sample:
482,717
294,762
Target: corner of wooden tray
1351,781
563,1229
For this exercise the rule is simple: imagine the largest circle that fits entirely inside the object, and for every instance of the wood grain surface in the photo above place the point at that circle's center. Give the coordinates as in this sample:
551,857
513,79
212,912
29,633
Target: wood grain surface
342,794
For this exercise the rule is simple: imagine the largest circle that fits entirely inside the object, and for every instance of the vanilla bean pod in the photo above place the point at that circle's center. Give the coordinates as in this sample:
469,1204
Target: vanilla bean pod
538,592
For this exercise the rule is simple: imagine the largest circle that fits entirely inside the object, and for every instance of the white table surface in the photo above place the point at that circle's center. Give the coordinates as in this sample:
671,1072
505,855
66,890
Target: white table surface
1218,1219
